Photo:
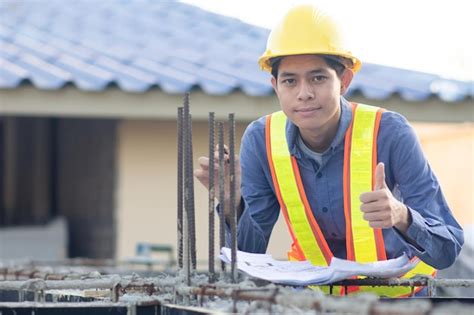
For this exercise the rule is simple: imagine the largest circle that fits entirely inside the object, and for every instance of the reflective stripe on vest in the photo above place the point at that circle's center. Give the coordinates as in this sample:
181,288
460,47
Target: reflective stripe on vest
359,179
363,243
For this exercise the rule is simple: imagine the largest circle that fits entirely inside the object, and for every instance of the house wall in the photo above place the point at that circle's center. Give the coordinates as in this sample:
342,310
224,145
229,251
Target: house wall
450,152
147,180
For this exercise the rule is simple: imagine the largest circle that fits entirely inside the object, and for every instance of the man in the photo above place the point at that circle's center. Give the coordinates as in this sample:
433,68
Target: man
350,179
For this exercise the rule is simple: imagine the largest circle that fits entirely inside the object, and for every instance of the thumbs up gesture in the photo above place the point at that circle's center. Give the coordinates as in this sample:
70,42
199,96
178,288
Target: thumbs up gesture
381,209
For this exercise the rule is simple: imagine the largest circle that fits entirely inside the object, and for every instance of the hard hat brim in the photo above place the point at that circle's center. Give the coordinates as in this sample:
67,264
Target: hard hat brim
266,65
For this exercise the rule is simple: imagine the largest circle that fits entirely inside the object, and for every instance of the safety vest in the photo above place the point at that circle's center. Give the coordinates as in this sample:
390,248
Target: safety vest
363,243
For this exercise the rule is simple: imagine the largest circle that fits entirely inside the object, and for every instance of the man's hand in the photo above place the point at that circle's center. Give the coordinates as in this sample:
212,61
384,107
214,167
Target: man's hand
202,174
380,207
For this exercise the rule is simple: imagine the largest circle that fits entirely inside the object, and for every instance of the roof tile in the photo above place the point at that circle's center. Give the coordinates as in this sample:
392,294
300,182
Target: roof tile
137,45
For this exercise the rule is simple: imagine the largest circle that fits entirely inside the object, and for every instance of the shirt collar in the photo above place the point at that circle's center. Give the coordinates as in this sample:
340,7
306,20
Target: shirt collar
292,131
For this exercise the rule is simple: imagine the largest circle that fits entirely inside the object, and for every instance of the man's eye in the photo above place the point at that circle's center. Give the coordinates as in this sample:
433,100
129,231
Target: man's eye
319,78
288,81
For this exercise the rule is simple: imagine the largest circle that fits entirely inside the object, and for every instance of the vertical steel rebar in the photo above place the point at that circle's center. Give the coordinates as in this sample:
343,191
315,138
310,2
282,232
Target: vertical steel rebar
191,213
212,195
180,188
186,137
233,212
220,131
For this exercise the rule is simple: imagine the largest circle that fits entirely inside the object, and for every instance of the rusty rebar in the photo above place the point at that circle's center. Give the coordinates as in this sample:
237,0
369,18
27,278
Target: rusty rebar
191,213
180,188
306,299
20,274
25,275
419,281
233,213
220,131
212,195
35,284
187,140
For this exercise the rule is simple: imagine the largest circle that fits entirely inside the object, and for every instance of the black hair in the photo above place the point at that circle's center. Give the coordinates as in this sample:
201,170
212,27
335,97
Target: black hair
334,62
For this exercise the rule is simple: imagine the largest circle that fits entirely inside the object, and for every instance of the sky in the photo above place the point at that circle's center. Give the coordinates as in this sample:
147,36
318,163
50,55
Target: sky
431,36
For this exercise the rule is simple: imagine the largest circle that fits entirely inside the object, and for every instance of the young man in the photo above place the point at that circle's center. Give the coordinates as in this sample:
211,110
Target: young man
350,179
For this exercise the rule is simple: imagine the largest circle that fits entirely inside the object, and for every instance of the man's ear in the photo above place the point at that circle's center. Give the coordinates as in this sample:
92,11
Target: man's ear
346,80
274,84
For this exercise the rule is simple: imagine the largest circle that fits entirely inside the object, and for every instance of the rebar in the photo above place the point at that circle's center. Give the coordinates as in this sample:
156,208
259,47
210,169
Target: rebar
212,195
233,213
19,274
191,213
186,136
419,281
39,284
22,276
180,188
277,295
220,131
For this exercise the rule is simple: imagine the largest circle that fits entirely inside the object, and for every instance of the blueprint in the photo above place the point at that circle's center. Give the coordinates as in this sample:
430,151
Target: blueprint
263,266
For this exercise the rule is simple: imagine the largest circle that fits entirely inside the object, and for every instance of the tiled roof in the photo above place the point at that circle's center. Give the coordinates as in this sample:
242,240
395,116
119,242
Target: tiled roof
138,45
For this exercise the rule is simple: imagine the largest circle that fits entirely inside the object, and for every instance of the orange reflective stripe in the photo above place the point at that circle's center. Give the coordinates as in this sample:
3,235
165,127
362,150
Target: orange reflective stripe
380,245
295,253
295,244
346,187
323,245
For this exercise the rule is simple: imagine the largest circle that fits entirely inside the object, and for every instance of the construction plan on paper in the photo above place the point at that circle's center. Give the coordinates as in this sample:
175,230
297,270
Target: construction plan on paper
303,273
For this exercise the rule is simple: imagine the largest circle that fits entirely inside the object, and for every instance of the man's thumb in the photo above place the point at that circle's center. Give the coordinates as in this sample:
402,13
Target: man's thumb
380,177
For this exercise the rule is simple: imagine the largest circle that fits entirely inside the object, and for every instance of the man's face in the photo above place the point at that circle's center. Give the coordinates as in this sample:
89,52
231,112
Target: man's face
309,91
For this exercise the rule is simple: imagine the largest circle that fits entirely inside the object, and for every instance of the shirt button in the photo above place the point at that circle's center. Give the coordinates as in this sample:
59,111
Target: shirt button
325,209
319,175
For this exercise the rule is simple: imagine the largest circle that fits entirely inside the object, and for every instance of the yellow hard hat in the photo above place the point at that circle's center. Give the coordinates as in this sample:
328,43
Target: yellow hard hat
305,30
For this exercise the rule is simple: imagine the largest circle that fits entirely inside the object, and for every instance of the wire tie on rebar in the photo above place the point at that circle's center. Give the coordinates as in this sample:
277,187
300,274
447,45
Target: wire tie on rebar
116,292
234,300
431,287
202,293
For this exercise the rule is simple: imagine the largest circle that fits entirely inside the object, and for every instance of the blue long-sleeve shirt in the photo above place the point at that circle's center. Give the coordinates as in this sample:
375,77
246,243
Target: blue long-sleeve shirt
434,231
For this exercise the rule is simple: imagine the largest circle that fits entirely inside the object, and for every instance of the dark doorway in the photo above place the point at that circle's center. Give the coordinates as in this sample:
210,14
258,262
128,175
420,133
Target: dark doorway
61,167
